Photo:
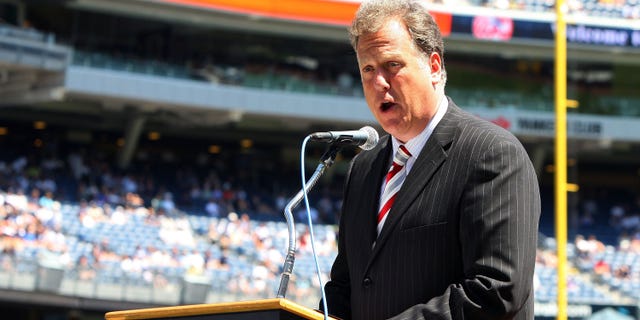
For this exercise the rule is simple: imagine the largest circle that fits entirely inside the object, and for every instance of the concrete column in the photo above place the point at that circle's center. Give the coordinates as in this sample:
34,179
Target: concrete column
131,137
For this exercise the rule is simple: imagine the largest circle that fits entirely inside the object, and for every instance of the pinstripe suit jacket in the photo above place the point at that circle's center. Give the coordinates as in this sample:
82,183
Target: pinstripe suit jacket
460,240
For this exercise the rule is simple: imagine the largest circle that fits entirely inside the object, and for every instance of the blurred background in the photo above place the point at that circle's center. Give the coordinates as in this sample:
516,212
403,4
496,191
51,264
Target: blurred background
148,147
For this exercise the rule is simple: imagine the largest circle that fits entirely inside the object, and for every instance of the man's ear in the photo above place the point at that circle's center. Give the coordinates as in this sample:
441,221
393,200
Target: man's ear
435,63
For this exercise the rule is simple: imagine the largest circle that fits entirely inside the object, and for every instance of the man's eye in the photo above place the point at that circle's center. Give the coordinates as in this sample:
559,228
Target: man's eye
367,69
393,64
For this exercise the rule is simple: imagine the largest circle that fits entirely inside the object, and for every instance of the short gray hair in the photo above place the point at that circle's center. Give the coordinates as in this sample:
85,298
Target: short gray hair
423,29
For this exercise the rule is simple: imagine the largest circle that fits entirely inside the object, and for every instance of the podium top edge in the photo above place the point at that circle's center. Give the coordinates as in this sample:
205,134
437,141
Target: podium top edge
217,308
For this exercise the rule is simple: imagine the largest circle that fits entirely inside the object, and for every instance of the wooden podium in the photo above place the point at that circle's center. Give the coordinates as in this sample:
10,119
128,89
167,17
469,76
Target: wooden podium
268,309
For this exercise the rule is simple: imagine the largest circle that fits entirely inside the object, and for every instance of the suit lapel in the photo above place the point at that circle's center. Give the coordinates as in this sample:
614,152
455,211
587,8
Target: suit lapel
431,157
372,183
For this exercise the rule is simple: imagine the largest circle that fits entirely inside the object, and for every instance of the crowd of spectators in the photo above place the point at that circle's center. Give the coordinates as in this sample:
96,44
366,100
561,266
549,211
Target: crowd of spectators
58,209
610,265
607,241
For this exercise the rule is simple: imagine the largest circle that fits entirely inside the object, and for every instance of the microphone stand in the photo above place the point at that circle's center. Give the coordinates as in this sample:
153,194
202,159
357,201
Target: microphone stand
326,161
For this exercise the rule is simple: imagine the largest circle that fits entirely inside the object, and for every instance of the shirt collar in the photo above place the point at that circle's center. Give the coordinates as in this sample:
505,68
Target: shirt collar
416,143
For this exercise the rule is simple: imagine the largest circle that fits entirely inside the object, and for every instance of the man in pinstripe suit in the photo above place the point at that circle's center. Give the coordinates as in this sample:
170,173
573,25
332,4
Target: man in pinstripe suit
459,241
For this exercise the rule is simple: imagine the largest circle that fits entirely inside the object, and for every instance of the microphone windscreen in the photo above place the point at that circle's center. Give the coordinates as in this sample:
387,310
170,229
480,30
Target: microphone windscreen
372,138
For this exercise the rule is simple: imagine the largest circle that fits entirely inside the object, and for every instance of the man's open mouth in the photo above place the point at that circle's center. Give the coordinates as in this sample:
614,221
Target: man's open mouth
386,106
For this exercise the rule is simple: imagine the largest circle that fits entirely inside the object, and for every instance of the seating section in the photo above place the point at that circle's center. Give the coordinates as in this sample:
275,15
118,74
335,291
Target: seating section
624,275
579,290
240,257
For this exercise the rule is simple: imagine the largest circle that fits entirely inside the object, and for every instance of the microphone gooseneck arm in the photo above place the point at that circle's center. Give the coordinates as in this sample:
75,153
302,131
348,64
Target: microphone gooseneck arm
326,161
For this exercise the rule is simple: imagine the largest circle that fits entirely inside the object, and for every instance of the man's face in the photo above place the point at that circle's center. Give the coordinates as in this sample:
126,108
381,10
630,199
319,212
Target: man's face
398,80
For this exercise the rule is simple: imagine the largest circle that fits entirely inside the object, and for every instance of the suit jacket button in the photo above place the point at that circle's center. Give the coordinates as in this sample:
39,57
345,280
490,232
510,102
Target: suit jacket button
366,282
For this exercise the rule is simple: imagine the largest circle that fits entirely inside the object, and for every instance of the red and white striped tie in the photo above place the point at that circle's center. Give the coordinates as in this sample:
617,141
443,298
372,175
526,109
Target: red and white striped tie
393,182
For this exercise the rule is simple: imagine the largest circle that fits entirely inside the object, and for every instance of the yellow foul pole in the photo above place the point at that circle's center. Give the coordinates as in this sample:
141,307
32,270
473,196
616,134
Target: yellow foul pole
561,155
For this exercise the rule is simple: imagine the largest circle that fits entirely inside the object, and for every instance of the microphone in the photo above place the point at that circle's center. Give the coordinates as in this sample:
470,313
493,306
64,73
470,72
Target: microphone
366,137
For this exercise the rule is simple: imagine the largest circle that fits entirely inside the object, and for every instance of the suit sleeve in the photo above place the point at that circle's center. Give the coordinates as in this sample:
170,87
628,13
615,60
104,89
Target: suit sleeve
498,224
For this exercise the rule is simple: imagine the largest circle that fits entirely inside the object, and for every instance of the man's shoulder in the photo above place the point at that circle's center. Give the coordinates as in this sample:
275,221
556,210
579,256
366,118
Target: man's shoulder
471,136
469,124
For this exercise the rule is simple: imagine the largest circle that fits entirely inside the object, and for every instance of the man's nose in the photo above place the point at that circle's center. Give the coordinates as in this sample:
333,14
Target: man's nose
381,83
